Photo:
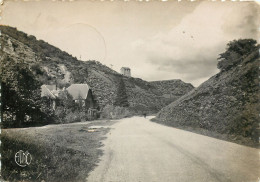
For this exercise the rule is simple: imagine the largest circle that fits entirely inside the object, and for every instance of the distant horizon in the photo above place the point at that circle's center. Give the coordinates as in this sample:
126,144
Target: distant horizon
183,40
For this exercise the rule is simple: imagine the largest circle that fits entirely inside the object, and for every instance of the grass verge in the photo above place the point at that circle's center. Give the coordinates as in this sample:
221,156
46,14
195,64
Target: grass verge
247,141
65,152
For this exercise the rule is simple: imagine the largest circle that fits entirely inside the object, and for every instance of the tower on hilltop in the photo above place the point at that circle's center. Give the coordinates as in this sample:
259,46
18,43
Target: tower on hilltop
125,71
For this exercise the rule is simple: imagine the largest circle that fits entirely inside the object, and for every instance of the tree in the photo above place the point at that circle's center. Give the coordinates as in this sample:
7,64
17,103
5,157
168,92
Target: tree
121,98
235,51
66,99
21,94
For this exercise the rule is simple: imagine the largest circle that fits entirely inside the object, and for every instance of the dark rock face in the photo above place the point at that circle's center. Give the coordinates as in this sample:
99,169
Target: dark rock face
227,103
58,67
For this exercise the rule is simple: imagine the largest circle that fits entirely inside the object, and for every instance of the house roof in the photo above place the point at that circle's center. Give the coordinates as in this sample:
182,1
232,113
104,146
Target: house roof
51,87
75,90
78,90
46,90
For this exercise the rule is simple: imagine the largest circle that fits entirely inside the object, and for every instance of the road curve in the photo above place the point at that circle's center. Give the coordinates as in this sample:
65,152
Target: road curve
138,150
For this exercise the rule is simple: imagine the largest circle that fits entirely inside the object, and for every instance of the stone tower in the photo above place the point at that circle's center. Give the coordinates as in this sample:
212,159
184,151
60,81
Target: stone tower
125,71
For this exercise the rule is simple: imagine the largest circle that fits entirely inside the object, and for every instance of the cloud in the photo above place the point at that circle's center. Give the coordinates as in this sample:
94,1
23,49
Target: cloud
170,40
243,21
190,49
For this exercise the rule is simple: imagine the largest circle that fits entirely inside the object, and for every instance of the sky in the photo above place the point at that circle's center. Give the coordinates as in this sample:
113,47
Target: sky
157,40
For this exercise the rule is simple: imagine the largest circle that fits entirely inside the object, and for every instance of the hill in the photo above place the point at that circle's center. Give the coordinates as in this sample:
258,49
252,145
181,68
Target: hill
227,103
48,64
172,89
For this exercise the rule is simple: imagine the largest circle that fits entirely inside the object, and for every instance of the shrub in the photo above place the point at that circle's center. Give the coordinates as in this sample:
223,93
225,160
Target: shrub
235,50
60,114
72,117
115,112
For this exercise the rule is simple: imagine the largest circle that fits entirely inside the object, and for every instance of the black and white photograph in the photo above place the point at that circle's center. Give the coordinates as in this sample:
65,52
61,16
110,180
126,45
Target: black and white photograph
129,91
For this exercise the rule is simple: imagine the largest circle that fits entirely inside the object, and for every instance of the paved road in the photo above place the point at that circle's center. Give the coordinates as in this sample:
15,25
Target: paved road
138,150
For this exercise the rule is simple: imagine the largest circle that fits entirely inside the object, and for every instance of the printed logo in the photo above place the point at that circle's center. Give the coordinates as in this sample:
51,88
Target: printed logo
23,158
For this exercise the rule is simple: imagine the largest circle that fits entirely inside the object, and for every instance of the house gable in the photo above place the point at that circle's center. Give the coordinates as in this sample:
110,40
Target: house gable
78,91
46,92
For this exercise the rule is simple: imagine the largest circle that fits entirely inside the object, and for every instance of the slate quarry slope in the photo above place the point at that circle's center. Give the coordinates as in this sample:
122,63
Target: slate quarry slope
227,103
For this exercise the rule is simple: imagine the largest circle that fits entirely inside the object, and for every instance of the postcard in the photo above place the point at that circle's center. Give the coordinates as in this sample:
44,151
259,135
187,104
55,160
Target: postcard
129,91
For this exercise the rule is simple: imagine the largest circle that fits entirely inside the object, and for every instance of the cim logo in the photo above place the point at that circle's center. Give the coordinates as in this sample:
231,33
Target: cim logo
23,158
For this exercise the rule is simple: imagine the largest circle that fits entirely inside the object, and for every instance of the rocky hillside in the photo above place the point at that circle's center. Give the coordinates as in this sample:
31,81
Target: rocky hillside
227,103
51,65
172,89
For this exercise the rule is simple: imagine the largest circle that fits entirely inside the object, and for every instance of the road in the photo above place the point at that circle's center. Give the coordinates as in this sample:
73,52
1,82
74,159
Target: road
138,150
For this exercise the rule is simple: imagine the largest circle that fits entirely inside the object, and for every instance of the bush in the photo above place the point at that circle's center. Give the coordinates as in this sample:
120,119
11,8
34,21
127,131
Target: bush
115,112
73,117
60,114
69,116
235,51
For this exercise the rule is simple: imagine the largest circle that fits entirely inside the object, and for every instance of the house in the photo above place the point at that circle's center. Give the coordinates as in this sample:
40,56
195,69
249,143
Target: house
81,94
51,93
125,71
